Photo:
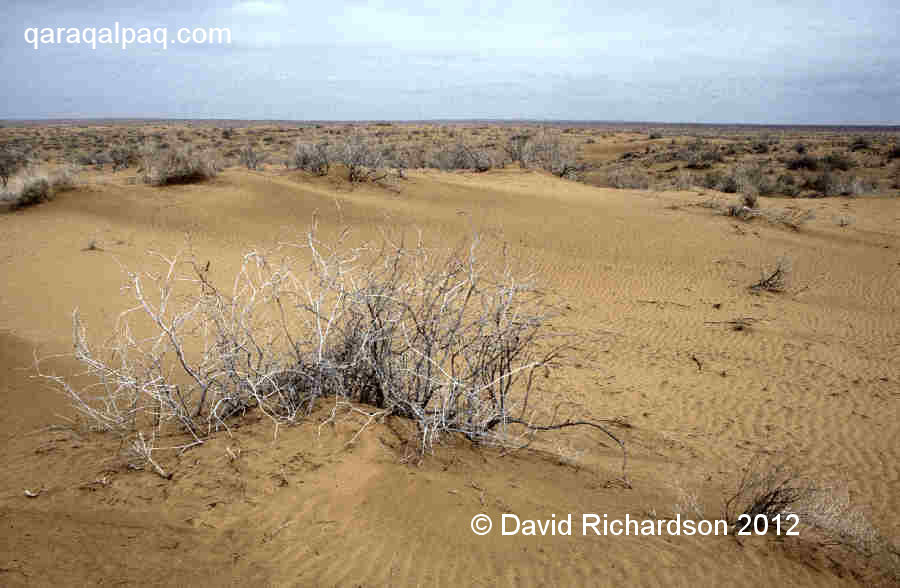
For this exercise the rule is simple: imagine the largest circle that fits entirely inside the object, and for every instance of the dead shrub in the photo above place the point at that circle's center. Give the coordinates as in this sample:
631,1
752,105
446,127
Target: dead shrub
771,489
441,338
774,279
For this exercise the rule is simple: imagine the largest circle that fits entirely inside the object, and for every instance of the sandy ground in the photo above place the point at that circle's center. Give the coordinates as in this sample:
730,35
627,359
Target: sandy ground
651,278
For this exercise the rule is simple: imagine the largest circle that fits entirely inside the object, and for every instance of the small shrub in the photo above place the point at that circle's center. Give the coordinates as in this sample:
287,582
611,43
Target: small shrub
460,156
799,148
516,149
551,153
376,325
162,166
750,200
854,186
34,191
774,279
837,161
250,157
627,179
826,184
767,491
860,144
787,185
362,160
122,156
312,157
11,161
806,162
780,492
894,152
63,179
702,159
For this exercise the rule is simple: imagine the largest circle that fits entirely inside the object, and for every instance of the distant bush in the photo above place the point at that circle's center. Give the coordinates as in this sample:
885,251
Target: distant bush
717,180
34,191
363,161
550,153
826,183
799,148
837,161
63,179
122,156
183,164
311,157
787,185
11,161
460,156
627,178
803,162
517,149
894,152
698,156
250,157
831,184
860,144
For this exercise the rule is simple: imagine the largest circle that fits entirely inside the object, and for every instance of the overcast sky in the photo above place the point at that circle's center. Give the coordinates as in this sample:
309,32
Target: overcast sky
767,61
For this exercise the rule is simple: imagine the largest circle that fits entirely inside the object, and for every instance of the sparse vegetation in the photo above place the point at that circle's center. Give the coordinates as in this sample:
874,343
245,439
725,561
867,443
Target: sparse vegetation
250,157
184,164
122,156
363,161
35,188
461,157
774,279
11,161
838,161
777,490
627,178
806,162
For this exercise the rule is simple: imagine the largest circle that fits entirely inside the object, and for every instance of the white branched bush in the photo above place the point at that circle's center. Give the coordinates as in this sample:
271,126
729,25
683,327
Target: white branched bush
445,339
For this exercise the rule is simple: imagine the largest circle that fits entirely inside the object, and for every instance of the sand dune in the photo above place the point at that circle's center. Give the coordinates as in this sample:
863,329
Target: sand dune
652,277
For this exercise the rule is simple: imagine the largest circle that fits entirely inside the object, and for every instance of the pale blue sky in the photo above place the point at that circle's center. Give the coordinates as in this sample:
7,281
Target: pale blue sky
770,61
